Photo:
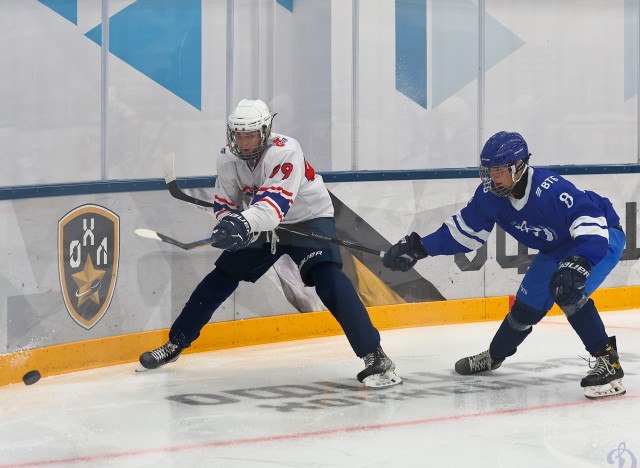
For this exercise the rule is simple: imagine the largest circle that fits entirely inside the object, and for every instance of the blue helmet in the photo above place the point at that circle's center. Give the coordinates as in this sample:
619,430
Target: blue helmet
503,149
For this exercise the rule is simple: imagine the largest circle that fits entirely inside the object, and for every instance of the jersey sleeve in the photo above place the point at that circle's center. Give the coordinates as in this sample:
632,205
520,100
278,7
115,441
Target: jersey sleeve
284,169
227,194
465,231
585,220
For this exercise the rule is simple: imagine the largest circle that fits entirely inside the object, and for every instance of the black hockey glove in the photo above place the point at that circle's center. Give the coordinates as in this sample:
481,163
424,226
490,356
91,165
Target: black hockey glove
567,283
233,232
405,254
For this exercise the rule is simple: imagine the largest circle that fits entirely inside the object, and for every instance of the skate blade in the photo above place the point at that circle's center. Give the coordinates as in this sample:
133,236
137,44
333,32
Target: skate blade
141,368
388,379
613,388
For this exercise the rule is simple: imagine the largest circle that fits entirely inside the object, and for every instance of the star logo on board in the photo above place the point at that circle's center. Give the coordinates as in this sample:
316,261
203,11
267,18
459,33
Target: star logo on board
88,281
88,257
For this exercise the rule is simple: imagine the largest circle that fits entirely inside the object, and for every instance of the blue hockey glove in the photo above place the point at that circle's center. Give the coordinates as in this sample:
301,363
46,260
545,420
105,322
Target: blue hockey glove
233,232
567,283
405,254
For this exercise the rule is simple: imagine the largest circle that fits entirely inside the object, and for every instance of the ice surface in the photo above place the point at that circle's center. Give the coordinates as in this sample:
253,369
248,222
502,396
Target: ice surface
298,404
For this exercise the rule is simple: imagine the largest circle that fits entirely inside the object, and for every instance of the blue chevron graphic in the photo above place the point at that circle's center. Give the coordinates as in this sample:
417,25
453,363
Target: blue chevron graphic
288,4
66,8
454,25
411,49
630,48
163,40
455,33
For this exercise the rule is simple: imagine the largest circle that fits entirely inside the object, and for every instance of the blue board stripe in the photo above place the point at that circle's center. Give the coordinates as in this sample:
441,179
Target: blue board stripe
141,185
411,49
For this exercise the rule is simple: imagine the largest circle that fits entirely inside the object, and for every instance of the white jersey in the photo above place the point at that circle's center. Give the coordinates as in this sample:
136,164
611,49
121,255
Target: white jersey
281,188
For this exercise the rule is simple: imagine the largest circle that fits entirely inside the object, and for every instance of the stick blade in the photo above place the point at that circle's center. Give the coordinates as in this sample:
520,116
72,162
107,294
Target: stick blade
148,233
169,168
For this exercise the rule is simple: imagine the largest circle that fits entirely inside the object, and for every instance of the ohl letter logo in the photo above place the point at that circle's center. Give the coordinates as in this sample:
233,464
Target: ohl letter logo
88,253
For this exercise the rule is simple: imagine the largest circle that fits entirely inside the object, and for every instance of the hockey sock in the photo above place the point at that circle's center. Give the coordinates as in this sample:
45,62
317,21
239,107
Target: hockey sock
212,291
515,327
589,327
337,293
506,340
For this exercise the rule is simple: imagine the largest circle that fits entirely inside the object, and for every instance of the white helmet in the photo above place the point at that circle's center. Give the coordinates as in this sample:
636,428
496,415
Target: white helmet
249,116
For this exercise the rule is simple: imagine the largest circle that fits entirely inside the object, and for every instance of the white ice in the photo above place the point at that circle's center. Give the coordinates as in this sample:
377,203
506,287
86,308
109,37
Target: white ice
298,404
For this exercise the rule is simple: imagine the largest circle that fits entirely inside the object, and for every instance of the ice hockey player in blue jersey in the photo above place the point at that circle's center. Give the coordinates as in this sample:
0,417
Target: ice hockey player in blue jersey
579,239
263,180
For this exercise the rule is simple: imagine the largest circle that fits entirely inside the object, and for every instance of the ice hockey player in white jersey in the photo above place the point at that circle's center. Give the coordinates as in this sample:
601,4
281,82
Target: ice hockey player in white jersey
263,180
579,239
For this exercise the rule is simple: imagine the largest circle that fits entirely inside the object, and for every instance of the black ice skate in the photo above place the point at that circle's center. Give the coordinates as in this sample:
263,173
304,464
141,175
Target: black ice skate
479,363
379,371
165,354
605,370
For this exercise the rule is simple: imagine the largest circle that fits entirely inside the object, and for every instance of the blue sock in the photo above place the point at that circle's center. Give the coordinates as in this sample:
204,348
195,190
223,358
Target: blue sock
589,327
515,327
506,340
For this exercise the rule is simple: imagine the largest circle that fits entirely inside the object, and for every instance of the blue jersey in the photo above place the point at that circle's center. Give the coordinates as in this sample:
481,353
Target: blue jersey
553,217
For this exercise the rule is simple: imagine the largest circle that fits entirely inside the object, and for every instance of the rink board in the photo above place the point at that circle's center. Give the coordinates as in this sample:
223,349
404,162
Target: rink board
122,349
47,324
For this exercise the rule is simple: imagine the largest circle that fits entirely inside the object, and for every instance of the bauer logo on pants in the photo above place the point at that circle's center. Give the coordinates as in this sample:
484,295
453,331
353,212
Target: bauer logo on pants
88,251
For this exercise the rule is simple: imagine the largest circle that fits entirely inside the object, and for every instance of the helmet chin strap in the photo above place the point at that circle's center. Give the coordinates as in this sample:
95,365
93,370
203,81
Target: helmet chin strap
523,167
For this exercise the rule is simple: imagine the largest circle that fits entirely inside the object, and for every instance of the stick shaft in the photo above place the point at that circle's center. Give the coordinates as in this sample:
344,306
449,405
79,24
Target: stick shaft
149,234
331,240
176,192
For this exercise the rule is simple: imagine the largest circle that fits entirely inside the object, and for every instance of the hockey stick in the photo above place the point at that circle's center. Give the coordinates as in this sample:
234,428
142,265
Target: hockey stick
174,188
149,234
176,192
331,240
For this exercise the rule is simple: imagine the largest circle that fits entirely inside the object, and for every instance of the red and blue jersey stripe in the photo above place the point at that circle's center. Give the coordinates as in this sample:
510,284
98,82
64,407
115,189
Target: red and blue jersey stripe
276,197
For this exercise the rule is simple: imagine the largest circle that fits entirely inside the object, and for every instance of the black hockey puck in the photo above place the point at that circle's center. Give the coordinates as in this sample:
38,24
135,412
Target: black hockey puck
31,377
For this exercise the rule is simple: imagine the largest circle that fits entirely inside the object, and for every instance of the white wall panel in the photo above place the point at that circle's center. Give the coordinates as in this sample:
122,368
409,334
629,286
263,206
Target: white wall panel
564,89
146,120
49,98
564,74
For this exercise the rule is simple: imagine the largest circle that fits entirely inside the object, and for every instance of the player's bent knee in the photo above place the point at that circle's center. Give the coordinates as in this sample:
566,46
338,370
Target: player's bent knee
571,309
513,323
522,317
